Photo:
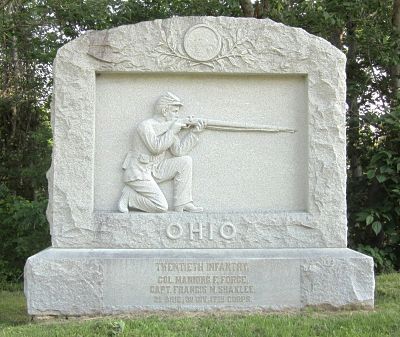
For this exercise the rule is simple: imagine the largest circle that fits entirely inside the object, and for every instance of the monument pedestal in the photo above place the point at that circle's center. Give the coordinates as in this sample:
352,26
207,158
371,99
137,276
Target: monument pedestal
112,281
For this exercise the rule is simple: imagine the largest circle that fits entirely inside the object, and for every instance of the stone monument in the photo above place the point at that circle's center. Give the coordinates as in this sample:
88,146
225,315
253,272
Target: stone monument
199,163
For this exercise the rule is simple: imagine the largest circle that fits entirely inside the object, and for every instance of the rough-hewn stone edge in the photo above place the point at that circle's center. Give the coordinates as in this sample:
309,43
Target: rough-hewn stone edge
341,278
253,230
55,277
130,49
216,312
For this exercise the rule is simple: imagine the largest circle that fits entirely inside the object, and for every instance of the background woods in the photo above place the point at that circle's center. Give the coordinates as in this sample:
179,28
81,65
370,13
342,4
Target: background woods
367,31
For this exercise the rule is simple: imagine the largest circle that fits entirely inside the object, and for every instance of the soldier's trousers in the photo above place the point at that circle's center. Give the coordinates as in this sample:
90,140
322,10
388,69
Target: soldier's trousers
147,196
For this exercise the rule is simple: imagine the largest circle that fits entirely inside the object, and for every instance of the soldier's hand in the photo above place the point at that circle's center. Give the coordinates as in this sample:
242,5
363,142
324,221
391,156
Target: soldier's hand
200,126
176,126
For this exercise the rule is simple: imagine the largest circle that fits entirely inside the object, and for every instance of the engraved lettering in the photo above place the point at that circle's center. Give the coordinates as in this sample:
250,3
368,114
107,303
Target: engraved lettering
179,266
210,231
202,283
159,289
235,289
227,266
227,234
193,279
229,279
193,231
176,233
189,289
165,279
238,299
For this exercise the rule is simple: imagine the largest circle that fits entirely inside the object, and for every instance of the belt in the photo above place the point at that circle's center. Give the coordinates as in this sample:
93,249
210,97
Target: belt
150,159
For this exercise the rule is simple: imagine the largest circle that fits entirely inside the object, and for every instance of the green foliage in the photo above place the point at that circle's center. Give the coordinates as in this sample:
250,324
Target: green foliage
25,153
375,209
116,328
383,258
135,11
24,231
12,307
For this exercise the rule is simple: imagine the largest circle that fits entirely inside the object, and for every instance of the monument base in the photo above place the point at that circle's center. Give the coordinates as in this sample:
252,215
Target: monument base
113,281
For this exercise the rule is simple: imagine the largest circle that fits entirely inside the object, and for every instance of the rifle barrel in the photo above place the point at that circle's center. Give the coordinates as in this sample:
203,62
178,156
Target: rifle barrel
214,124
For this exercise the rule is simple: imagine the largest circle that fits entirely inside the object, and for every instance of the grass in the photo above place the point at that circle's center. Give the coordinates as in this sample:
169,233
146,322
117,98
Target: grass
381,322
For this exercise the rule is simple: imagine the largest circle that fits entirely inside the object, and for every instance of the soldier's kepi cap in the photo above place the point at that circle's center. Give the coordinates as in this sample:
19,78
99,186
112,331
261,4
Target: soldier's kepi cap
169,99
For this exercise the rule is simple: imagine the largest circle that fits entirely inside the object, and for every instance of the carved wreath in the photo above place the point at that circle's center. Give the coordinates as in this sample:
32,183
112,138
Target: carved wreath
235,49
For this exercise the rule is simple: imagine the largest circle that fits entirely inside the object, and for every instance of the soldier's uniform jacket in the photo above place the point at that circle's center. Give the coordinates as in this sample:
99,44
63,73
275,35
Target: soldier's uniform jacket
152,138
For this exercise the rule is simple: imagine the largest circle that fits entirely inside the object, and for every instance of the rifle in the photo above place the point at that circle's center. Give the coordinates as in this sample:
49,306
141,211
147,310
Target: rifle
214,124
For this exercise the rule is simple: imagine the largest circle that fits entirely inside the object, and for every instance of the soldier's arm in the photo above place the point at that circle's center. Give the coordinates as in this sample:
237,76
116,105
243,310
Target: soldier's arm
183,146
156,143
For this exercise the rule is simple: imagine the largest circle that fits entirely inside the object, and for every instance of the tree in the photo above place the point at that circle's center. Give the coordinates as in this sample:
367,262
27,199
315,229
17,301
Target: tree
395,70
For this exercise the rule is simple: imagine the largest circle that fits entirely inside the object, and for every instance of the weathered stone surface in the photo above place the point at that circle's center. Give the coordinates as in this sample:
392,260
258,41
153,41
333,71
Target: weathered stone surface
91,282
229,168
207,230
64,284
282,195
287,189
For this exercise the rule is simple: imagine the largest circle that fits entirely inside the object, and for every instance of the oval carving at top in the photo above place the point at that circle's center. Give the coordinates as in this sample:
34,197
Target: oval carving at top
202,43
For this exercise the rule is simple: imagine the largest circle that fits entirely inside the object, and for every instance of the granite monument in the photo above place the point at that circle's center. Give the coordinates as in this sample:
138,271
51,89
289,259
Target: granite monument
241,207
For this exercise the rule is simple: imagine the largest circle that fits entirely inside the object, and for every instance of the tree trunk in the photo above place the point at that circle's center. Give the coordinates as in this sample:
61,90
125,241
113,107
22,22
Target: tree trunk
336,37
5,3
395,70
15,68
247,8
353,134
261,9
15,59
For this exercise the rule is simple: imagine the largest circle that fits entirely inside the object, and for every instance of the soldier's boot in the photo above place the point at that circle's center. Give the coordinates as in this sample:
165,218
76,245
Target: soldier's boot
189,207
124,200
